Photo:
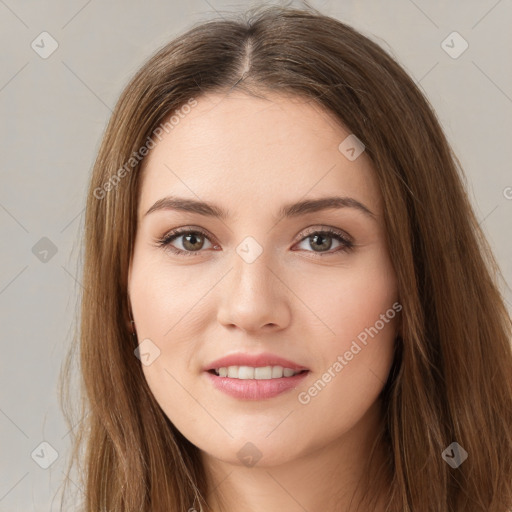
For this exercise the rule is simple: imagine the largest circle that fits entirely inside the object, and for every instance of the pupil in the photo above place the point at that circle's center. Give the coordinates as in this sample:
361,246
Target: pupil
194,238
316,237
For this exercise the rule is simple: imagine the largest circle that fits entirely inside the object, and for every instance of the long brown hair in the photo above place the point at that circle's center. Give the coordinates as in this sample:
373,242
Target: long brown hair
451,379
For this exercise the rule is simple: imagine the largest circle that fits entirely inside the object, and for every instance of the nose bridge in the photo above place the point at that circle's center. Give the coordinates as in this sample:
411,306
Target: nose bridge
253,297
252,277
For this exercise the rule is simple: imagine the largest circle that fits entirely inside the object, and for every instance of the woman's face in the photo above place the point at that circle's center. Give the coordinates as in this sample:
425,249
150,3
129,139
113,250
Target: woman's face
262,282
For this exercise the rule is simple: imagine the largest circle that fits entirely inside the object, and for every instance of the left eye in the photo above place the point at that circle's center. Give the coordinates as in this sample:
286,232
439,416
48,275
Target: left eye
323,241
194,240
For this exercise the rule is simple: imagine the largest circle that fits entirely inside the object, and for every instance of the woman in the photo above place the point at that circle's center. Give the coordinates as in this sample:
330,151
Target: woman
288,300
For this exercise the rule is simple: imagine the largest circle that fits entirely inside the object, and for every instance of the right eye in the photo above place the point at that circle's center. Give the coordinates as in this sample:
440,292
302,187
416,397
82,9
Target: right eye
192,241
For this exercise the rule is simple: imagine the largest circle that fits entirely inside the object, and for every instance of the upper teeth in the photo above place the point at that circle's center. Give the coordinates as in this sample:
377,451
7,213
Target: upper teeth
249,372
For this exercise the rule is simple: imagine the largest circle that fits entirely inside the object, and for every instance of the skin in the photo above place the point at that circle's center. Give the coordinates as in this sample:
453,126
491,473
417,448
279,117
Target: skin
251,156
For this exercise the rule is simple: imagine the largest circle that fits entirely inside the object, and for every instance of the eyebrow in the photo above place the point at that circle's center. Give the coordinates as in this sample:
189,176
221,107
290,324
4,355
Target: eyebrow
288,210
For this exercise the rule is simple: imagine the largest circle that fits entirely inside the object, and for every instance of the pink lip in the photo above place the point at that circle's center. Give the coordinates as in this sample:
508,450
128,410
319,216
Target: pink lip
254,389
256,360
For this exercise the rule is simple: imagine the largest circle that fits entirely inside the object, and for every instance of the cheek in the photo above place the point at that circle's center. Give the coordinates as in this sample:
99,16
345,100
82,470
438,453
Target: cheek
169,315
167,328
359,303
359,311
166,299
348,299
350,381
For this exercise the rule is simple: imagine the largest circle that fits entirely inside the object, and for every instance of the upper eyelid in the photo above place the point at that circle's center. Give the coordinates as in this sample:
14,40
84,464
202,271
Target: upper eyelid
325,229
176,233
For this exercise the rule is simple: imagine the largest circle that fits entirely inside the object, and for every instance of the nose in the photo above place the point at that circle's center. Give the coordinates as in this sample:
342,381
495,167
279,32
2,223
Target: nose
254,298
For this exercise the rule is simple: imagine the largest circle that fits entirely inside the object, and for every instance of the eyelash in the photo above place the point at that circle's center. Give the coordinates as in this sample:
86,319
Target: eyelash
165,241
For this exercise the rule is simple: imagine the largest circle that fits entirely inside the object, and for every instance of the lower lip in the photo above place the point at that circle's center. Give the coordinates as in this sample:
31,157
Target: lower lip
255,389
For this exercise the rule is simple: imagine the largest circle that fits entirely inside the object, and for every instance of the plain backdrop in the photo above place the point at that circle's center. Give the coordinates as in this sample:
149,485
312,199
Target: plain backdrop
53,111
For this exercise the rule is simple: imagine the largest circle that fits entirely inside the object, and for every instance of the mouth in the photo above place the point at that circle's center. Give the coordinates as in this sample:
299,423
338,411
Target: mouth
255,377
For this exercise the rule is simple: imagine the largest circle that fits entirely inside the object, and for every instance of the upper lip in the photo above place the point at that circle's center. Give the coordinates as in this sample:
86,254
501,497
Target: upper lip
254,360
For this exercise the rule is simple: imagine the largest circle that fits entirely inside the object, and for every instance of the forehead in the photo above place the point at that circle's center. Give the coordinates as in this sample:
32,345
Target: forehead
247,152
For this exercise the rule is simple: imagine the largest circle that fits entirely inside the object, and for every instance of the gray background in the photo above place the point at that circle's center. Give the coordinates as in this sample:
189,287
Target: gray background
53,114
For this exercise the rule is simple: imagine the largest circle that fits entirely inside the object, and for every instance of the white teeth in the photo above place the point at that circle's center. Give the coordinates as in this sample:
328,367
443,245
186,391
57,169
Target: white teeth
277,372
250,372
265,372
246,372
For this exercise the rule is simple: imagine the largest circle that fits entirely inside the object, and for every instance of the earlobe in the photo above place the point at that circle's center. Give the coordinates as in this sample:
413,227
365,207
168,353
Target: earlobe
134,333
130,322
